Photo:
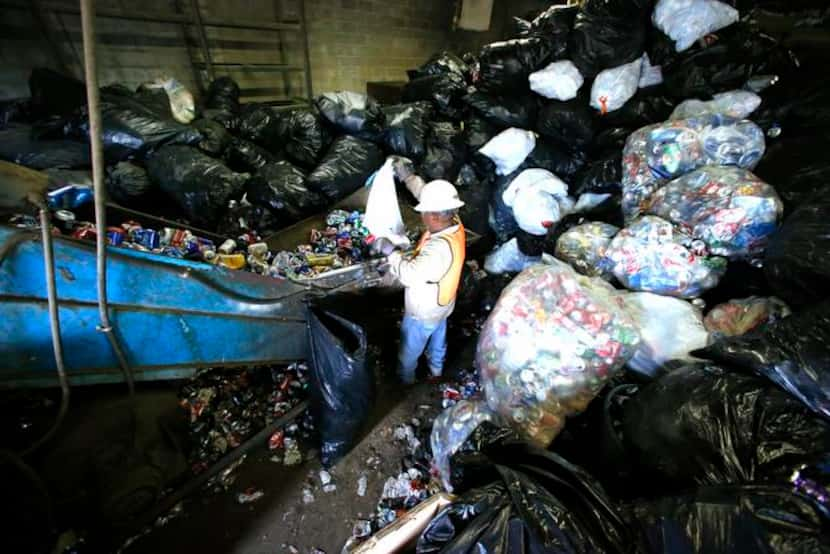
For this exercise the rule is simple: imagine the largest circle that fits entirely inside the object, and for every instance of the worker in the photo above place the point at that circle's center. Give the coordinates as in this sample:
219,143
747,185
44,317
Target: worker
430,276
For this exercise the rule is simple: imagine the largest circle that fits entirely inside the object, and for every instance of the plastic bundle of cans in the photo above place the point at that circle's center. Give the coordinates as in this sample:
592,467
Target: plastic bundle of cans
740,316
652,255
225,407
658,153
450,431
342,243
729,208
552,341
583,247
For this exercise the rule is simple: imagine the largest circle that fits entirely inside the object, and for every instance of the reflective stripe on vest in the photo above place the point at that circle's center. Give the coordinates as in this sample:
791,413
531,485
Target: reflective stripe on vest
448,284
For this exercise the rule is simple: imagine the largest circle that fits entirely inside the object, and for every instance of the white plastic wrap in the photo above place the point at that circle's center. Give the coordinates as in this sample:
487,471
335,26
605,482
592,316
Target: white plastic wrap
509,149
538,199
614,87
507,258
669,329
735,103
552,341
383,213
650,75
686,21
559,81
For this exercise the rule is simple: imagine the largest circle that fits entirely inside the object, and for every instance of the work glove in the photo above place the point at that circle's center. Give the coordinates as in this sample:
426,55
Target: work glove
384,246
403,167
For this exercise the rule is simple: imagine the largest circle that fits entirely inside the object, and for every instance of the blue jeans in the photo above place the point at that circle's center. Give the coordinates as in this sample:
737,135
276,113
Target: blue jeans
415,336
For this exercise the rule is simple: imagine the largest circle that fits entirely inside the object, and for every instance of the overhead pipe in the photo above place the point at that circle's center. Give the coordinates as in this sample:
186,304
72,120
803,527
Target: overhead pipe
95,128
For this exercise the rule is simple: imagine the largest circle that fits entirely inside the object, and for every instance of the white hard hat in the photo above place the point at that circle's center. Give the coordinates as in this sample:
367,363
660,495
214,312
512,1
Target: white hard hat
438,196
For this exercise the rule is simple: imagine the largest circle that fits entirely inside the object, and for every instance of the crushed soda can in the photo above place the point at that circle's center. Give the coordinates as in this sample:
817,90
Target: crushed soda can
251,494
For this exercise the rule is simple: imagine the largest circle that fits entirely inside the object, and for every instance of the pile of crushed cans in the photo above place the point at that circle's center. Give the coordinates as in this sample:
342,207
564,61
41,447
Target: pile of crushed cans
227,407
465,387
342,243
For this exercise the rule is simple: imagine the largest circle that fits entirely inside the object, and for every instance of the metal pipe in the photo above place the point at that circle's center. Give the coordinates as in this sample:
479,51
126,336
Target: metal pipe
93,101
55,327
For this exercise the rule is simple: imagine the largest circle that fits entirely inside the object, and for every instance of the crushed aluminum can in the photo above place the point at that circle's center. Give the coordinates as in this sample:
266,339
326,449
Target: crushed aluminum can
277,440
308,496
227,247
250,495
362,528
258,249
362,484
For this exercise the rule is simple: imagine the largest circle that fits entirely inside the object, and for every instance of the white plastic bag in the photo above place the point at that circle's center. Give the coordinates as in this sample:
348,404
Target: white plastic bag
735,103
383,214
669,329
650,75
614,87
181,100
509,149
507,258
686,21
559,81
538,199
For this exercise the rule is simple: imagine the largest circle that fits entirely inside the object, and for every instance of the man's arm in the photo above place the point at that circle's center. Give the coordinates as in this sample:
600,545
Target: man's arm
428,266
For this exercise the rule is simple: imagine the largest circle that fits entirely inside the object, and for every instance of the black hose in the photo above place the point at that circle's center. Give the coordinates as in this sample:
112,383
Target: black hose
55,328
95,128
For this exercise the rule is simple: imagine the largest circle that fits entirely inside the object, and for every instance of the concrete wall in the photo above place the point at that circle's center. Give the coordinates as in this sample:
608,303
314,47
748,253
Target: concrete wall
350,42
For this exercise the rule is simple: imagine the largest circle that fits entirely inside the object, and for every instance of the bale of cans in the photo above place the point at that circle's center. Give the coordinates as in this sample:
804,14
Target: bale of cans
583,247
552,341
729,208
658,153
742,315
653,255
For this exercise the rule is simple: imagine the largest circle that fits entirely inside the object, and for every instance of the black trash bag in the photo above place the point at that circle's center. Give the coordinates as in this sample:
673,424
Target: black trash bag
244,156
794,353
796,262
517,498
741,279
281,188
718,520
154,99
133,130
215,138
228,120
478,132
18,146
569,123
444,154
647,106
305,137
443,90
530,245
14,111
610,140
441,64
600,176
407,127
505,66
200,185
223,94
797,165
551,155
261,125
798,104
54,94
345,167
243,218
739,53
707,425
554,25
608,33
340,381
502,221
353,113
475,193
127,183
515,110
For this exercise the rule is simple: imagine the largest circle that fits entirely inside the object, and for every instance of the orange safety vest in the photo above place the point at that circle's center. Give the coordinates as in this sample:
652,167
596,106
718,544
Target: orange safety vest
448,284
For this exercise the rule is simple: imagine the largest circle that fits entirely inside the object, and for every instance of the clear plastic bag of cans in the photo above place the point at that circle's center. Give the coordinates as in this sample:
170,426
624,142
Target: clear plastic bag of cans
450,431
728,208
583,247
734,103
742,315
552,341
653,255
656,154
